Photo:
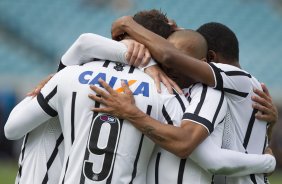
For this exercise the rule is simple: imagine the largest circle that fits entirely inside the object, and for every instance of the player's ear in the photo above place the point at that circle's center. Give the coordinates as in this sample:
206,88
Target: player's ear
211,56
204,59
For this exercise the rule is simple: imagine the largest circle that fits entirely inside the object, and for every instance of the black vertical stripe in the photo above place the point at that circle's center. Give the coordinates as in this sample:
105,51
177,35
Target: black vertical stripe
52,157
253,178
73,116
22,153
131,70
181,171
249,129
67,164
247,138
218,77
179,100
148,112
157,168
218,108
166,116
200,104
106,63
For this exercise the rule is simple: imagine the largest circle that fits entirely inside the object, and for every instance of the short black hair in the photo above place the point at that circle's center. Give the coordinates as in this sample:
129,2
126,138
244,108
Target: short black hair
155,21
221,39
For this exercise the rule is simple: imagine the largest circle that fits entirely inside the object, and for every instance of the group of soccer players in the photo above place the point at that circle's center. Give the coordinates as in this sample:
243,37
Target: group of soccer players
130,132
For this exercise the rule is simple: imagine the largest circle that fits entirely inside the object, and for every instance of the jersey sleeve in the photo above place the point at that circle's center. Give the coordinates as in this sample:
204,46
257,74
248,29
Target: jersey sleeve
47,98
233,81
207,107
89,47
230,163
32,112
171,107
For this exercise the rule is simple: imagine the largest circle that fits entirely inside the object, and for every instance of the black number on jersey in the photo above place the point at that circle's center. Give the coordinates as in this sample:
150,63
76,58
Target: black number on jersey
108,150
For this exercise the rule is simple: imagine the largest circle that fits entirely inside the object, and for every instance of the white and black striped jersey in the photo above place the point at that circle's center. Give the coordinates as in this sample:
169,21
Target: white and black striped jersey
207,107
99,148
249,134
42,154
42,151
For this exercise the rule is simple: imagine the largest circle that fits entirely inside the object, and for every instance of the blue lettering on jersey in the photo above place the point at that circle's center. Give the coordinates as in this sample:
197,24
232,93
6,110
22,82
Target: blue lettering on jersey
88,78
143,88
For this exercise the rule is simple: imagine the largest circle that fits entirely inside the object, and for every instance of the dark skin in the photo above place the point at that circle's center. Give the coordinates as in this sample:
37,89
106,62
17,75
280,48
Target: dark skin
188,66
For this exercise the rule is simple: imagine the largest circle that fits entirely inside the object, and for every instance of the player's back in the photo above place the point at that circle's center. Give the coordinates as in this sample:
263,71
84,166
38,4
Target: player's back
101,148
249,134
42,154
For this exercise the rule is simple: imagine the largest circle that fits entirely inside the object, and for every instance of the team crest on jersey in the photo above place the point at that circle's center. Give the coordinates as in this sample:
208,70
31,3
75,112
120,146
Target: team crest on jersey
119,66
107,118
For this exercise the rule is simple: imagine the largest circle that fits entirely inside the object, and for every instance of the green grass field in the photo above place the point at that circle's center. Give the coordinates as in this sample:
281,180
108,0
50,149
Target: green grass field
8,171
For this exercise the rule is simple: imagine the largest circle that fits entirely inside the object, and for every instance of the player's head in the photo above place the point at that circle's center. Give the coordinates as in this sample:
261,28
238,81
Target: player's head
193,44
155,21
223,46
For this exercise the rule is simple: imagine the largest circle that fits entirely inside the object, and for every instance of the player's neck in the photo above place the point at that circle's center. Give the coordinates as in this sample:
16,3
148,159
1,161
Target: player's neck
233,63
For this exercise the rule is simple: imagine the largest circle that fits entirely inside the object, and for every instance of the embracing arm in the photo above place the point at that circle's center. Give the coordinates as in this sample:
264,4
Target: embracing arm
231,163
26,116
181,141
91,46
164,52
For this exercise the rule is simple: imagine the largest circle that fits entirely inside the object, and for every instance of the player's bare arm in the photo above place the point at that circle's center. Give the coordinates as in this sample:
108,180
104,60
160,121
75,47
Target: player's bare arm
163,51
181,141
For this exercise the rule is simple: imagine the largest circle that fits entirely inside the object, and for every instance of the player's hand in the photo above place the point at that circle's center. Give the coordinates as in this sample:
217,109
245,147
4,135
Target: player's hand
174,26
117,27
121,105
137,54
38,88
263,102
159,76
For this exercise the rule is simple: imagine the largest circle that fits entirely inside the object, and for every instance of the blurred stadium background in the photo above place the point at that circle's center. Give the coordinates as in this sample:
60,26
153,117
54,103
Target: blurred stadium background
35,34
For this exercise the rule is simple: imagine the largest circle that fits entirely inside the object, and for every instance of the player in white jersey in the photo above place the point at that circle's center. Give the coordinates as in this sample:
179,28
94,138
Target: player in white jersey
237,84
99,148
118,163
42,152
206,109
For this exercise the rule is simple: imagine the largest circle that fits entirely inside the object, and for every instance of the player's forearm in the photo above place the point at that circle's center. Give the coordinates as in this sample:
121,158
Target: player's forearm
166,54
174,139
231,163
89,46
23,118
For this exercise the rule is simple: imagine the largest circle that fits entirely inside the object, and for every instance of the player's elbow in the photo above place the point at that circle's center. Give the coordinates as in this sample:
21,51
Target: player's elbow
11,133
166,58
184,150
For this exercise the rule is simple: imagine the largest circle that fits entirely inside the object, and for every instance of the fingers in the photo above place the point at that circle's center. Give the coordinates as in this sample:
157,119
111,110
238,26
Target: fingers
99,91
106,86
261,94
264,88
261,101
101,109
125,87
261,108
146,59
165,81
175,86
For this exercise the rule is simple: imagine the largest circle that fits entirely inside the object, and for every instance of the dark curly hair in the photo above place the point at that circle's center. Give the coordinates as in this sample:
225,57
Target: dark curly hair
221,39
155,21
